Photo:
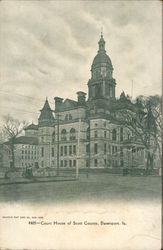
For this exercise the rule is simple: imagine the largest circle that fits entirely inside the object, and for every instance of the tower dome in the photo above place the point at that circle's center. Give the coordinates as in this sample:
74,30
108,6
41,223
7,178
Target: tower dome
101,57
102,84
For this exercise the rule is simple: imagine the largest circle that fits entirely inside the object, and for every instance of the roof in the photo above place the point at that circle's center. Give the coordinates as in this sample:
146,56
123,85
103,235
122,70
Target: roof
32,127
25,140
46,117
102,57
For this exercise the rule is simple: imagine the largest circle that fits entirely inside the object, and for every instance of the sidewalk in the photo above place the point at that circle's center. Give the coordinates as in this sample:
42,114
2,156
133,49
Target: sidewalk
22,180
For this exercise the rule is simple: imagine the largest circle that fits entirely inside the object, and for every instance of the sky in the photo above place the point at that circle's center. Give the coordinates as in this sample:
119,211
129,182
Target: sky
47,48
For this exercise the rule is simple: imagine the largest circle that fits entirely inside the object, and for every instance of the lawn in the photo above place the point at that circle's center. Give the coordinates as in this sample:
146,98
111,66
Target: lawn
97,187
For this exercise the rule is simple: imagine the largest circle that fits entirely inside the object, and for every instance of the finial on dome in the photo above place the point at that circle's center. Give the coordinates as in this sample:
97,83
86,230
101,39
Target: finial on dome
101,43
101,31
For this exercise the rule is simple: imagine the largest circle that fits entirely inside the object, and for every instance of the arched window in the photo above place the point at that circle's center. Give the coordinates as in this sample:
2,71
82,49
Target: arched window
114,135
72,134
53,137
63,135
88,133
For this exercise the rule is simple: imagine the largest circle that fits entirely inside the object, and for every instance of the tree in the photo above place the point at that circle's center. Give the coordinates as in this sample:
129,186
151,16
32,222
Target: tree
11,129
143,119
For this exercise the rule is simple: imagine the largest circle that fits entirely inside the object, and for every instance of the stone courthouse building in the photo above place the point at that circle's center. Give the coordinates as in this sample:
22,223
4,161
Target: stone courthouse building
83,131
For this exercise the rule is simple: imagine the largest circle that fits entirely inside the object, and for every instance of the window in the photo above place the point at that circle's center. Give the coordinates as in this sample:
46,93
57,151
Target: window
104,148
72,134
70,150
53,137
70,163
88,133
114,135
63,135
104,124
104,134
96,134
74,149
70,117
61,163
109,148
42,139
42,152
121,152
74,163
95,148
121,134
87,163
104,162
95,162
66,117
65,150
61,150
65,163
22,151
121,163
87,148
52,152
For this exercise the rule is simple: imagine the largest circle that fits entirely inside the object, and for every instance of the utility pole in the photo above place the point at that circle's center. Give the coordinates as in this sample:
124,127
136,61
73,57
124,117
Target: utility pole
78,151
57,144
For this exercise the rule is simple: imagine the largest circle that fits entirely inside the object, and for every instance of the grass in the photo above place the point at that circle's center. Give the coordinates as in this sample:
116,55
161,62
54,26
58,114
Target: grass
97,187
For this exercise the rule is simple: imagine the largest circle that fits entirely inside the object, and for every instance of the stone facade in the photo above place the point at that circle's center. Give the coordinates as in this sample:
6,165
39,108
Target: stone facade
82,132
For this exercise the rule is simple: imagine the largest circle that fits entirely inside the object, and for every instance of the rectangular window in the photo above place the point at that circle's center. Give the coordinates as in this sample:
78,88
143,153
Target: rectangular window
61,150
87,163
42,152
65,163
74,163
70,163
52,152
121,134
61,163
70,150
74,149
95,162
109,148
95,148
87,148
96,134
104,134
104,148
22,151
121,152
65,150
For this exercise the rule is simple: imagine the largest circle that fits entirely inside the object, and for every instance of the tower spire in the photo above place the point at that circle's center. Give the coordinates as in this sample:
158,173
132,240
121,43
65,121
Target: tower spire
101,43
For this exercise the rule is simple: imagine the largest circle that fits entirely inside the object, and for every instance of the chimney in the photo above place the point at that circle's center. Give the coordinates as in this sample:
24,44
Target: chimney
58,102
81,98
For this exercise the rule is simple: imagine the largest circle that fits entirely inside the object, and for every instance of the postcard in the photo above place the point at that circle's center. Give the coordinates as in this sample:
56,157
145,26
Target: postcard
80,125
